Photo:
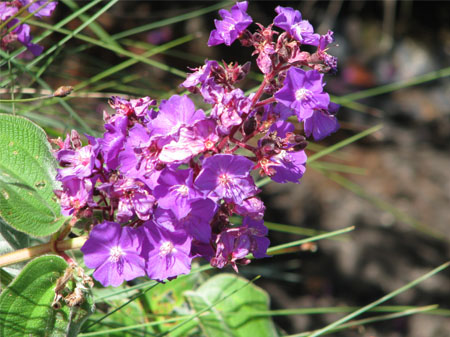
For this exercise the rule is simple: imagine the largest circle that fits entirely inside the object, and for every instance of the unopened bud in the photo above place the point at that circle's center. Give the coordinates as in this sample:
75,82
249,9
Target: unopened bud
63,91
293,138
246,38
301,146
250,125
75,139
243,71
160,166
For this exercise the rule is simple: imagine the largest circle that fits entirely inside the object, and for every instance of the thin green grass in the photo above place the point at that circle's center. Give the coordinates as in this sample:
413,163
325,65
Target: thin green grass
383,299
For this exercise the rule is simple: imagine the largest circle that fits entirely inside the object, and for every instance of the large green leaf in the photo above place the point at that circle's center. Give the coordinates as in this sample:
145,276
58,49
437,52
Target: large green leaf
234,316
27,171
25,306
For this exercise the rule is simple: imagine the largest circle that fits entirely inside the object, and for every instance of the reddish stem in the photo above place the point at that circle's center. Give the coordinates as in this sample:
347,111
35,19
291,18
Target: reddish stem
266,101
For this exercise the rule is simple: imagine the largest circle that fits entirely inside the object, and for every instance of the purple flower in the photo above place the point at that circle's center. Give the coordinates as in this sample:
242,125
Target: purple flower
233,23
227,176
174,113
114,252
288,166
234,244
191,142
132,109
322,123
303,91
75,195
45,11
197,222
139,158
291,21
229,109
252,207
112,142
22,33
77,163
176,191
329,60
6,10
257,233
200,76
167,253
132,196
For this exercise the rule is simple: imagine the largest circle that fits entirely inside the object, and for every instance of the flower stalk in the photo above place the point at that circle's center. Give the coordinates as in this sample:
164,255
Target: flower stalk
31,252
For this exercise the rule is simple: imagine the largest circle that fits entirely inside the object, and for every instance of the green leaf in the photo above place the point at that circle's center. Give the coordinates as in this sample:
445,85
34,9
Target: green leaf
27,171
10,240
241,304
25,306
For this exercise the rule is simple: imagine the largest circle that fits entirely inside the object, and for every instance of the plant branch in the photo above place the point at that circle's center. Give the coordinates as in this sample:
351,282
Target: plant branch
31,252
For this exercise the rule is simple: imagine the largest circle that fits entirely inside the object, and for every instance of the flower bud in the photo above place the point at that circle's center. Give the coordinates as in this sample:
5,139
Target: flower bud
250,126
300,146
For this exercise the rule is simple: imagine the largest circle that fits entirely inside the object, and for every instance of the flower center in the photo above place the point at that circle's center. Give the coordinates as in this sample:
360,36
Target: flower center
183,190
302,93
298,27
115,253
166,249
224,179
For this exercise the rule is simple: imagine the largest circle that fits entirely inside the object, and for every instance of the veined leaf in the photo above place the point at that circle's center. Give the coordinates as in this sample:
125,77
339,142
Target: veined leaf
25,305
245,301
27,171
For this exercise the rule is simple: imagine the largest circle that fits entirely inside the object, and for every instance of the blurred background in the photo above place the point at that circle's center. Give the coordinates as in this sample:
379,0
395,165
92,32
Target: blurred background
393,186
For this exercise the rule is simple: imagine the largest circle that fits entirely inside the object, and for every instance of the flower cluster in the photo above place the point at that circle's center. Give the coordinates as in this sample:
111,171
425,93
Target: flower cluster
165,179
14,30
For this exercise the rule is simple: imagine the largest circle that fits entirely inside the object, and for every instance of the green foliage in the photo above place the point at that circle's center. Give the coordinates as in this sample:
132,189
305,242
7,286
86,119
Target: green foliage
25,306
27,171
234,315
10,240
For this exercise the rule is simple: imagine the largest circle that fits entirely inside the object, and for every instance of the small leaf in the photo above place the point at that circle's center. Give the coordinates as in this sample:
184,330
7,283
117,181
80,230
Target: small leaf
27,171
26,305
232,317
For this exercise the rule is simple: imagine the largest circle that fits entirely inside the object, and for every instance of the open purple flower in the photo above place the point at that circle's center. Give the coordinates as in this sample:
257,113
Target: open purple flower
233,23
167,253
227,176
114,252
289,166
291,21
322,123
176,191
302,91
174,113
191,142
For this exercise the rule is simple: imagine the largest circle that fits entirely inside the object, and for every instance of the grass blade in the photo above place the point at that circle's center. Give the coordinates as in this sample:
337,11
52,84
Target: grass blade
379,301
